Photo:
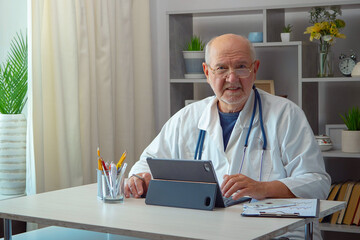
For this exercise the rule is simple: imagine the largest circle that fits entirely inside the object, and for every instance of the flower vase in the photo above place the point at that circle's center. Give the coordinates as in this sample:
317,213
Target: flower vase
325,67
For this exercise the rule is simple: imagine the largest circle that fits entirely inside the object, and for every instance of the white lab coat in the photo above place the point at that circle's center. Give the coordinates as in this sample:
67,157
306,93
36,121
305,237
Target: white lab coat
292,156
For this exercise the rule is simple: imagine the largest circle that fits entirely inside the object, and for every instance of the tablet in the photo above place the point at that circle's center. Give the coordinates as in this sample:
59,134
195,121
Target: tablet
190,170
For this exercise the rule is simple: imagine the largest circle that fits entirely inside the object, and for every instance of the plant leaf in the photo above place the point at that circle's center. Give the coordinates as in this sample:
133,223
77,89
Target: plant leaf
14,76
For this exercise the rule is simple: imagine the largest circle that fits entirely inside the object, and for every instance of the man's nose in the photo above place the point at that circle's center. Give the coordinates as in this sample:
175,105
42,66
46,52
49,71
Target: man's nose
231,76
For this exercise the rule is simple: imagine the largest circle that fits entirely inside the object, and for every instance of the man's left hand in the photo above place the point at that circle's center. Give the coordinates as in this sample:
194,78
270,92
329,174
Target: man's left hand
239,185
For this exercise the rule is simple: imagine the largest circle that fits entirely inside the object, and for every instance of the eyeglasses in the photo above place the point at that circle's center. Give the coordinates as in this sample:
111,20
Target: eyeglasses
224,72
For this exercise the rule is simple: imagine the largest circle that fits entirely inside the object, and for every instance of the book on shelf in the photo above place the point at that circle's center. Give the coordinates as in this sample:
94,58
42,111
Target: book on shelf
352,205
334,189
340,197
334,192
346,199
356,218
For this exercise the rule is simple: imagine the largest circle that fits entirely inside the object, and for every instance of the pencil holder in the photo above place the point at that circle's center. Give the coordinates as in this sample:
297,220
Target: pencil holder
113,185
99,184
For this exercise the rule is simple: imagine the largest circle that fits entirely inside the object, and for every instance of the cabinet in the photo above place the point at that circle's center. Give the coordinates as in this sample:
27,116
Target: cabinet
291,65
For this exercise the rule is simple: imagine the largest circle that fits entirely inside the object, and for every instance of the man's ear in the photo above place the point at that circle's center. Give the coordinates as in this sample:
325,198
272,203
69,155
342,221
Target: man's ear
206,72
205,69
256,66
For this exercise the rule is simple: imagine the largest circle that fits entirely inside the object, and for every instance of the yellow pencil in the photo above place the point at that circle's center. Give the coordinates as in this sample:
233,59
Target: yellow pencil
123,156
100,164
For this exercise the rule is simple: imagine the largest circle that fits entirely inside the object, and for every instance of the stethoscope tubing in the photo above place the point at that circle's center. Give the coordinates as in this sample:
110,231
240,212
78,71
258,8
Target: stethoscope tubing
257,101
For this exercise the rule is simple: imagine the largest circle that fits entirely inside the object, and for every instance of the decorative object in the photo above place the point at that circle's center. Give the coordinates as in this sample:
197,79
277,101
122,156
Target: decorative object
12,154
326,27
356,70
334,132
266,85
285,35
255,37
350,140
194,56
324,142
347,64
13,89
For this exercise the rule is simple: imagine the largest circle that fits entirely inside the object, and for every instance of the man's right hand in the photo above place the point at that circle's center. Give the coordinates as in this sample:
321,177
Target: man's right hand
137,186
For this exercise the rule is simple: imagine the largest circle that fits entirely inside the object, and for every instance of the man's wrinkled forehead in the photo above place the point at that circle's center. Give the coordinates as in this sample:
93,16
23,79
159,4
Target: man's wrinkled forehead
231,50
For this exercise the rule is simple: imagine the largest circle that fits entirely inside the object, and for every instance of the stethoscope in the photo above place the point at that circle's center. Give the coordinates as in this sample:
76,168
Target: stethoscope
257,101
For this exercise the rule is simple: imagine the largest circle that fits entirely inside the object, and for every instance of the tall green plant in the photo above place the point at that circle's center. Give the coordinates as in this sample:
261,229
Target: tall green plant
14,76
195,44
352,119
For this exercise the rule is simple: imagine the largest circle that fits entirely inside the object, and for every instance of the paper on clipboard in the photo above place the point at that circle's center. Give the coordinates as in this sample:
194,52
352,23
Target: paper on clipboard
294,207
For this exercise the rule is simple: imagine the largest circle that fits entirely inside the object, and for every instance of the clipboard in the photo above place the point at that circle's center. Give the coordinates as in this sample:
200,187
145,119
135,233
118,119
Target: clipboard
289,207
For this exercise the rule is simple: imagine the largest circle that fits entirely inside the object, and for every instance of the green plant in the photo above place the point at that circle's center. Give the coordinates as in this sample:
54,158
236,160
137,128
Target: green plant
14,76
195,44
352,119
287,29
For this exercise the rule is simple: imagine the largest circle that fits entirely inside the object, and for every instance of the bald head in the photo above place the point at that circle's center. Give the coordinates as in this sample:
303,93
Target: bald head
229,41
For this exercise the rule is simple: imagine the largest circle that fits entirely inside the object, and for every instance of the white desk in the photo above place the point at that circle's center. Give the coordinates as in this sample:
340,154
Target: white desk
79,208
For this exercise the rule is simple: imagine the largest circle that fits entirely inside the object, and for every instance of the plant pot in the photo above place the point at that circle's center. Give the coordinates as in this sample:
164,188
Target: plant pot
350,141
193,64
285,37
12,154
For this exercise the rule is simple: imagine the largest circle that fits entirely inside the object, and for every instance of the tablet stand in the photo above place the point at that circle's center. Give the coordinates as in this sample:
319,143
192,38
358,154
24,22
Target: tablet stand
184,194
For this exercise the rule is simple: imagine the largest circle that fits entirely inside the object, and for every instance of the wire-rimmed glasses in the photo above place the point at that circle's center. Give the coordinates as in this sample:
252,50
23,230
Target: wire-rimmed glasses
224,72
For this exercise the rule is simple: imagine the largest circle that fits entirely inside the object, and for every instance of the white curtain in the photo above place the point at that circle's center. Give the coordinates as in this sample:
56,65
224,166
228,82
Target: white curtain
91,86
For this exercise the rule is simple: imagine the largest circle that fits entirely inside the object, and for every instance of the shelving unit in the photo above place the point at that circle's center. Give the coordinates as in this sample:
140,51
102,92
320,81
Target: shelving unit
293,71
339,154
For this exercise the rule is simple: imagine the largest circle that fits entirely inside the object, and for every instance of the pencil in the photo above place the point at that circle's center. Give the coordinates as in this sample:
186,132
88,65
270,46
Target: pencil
123,156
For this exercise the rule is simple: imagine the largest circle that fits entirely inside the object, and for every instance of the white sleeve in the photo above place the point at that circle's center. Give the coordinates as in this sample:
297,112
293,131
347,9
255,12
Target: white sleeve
304,164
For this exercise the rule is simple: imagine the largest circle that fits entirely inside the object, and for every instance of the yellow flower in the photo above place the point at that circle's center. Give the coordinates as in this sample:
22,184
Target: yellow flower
340,35
326,29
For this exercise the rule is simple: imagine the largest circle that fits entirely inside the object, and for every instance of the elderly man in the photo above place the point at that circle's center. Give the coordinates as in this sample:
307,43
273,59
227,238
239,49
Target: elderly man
260,145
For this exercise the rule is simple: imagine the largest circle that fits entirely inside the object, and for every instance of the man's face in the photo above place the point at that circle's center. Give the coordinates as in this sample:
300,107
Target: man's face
230,52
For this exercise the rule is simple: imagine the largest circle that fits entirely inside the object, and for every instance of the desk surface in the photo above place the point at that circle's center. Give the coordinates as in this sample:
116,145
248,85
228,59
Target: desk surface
79,207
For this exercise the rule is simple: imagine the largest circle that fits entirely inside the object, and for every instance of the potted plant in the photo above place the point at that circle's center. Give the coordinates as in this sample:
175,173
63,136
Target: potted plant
13,97
194,56
285,35
350,138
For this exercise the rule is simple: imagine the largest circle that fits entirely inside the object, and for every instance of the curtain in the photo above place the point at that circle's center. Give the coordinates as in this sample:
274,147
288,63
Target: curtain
91,86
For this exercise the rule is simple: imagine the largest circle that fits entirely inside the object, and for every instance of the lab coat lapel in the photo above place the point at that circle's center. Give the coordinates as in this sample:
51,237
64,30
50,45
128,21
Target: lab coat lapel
210,122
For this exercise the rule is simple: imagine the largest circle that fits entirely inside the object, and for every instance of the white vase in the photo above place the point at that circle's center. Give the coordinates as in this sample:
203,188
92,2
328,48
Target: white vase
356,70
350,141
285,37
193,64
12,154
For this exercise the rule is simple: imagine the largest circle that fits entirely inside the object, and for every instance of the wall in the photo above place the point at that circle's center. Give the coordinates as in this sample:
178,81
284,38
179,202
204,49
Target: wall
13,18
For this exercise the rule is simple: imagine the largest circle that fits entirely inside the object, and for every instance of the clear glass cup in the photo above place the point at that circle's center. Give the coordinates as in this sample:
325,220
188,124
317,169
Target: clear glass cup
113,185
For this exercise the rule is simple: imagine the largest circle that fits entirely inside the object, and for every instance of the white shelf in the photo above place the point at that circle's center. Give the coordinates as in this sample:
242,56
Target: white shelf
339,228
332,79
340,154
188,80
278,44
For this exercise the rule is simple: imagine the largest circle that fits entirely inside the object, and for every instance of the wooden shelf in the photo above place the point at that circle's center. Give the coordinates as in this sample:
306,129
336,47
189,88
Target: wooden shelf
339,228
339,154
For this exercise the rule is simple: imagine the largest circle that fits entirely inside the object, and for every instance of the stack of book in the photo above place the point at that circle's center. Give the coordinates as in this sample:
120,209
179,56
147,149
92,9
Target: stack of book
350,193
